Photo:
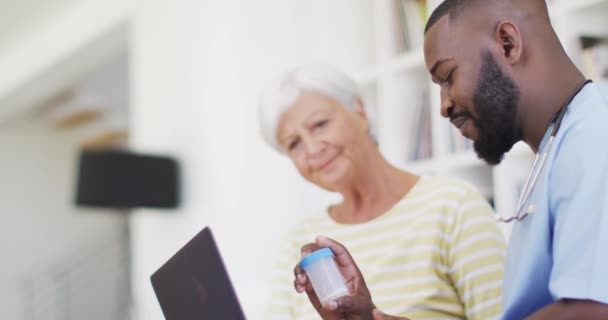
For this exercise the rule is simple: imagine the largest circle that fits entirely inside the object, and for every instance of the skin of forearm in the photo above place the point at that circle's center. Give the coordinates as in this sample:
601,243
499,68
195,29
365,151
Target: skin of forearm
572,309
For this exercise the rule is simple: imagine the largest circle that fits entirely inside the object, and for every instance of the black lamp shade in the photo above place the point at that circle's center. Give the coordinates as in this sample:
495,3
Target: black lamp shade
122,179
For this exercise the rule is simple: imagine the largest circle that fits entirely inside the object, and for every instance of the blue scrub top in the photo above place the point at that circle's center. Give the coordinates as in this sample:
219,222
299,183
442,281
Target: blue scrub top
561,250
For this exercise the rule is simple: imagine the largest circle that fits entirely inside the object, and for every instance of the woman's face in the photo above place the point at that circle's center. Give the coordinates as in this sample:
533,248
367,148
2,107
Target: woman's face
325,141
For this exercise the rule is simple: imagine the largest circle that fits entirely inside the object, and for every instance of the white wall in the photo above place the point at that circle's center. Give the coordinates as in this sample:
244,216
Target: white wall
63,42
40,225
197,68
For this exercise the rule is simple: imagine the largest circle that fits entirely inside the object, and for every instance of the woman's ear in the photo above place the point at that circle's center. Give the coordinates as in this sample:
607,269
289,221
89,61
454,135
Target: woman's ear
360,112
509,41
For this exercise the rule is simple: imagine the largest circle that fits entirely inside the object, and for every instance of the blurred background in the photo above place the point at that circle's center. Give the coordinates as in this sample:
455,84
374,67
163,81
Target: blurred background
180,80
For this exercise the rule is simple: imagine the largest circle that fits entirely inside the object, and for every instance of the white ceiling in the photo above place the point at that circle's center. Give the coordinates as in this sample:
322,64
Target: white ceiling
45,54
20,17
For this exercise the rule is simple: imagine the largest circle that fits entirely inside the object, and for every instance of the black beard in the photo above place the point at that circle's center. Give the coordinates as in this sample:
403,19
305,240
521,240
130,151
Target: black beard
495,103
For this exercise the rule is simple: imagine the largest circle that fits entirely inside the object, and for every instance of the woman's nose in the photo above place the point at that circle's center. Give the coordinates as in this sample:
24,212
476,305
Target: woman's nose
313,146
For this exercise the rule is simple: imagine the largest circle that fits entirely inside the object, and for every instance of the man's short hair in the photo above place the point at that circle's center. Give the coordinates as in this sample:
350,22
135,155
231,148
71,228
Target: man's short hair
453,8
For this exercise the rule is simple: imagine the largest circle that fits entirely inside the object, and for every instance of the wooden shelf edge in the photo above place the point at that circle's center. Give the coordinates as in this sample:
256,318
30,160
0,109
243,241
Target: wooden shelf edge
109,138
77,118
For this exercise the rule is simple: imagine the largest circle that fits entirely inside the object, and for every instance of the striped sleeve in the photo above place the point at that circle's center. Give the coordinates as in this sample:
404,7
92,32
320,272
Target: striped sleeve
282,301
476,256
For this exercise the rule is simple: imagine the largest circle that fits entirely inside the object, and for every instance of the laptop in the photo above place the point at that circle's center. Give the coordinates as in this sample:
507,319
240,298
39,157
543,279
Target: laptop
194,283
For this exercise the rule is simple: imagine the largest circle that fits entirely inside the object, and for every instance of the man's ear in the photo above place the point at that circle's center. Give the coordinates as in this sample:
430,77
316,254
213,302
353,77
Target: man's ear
509,40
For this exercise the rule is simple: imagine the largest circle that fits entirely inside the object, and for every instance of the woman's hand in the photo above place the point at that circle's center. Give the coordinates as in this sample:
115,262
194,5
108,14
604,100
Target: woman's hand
356,306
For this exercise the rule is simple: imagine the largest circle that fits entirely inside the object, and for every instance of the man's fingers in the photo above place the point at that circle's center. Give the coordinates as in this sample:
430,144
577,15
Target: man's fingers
379,315
299,278
343,257
351,304
300,283
308,249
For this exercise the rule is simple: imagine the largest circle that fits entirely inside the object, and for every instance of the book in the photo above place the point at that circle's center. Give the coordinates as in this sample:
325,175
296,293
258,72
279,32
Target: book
412,18
420,138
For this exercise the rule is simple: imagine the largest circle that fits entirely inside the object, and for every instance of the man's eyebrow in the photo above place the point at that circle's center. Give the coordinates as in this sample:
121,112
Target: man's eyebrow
438,63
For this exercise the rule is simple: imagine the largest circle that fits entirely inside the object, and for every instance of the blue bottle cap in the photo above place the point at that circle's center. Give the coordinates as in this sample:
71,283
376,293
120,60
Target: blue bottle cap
315,256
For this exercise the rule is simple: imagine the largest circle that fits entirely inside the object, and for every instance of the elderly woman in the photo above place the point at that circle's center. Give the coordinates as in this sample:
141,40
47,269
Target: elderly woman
427,247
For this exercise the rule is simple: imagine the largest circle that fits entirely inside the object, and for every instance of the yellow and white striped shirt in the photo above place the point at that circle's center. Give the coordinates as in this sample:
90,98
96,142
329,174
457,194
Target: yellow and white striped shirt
437,254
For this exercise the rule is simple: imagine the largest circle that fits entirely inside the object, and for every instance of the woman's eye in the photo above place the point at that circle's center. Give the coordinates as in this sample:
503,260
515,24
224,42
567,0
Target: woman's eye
293,144
321,123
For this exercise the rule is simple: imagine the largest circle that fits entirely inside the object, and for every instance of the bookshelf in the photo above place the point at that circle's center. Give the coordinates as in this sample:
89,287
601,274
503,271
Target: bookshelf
398,87
567,7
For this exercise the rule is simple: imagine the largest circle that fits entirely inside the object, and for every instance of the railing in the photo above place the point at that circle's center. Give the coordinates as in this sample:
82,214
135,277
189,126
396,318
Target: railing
93,283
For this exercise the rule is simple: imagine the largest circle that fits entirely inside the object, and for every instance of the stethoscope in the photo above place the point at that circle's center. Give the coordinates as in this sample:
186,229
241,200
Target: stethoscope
538,166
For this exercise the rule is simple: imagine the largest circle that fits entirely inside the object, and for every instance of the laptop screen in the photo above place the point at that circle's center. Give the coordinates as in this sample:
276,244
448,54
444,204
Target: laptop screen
194,283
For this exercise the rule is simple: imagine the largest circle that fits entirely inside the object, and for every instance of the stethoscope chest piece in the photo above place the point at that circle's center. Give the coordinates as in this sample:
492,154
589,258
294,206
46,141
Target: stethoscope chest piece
531,209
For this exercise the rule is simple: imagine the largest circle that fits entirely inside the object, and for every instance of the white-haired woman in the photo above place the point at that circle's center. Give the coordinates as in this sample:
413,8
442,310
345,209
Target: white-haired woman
427,247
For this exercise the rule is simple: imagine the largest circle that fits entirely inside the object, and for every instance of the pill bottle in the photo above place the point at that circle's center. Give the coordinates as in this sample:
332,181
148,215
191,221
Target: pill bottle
323,274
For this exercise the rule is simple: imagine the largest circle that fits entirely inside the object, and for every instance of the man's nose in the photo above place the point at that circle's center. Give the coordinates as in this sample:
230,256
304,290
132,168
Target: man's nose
447,104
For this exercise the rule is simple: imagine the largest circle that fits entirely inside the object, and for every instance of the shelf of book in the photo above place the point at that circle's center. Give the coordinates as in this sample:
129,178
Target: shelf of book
561,8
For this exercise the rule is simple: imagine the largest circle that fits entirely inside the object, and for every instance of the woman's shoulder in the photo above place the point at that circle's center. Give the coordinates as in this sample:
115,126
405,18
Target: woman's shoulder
464,207
447,186
452,198
456,197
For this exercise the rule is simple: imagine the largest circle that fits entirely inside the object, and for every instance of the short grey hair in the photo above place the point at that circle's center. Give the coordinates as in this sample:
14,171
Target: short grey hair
316,77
